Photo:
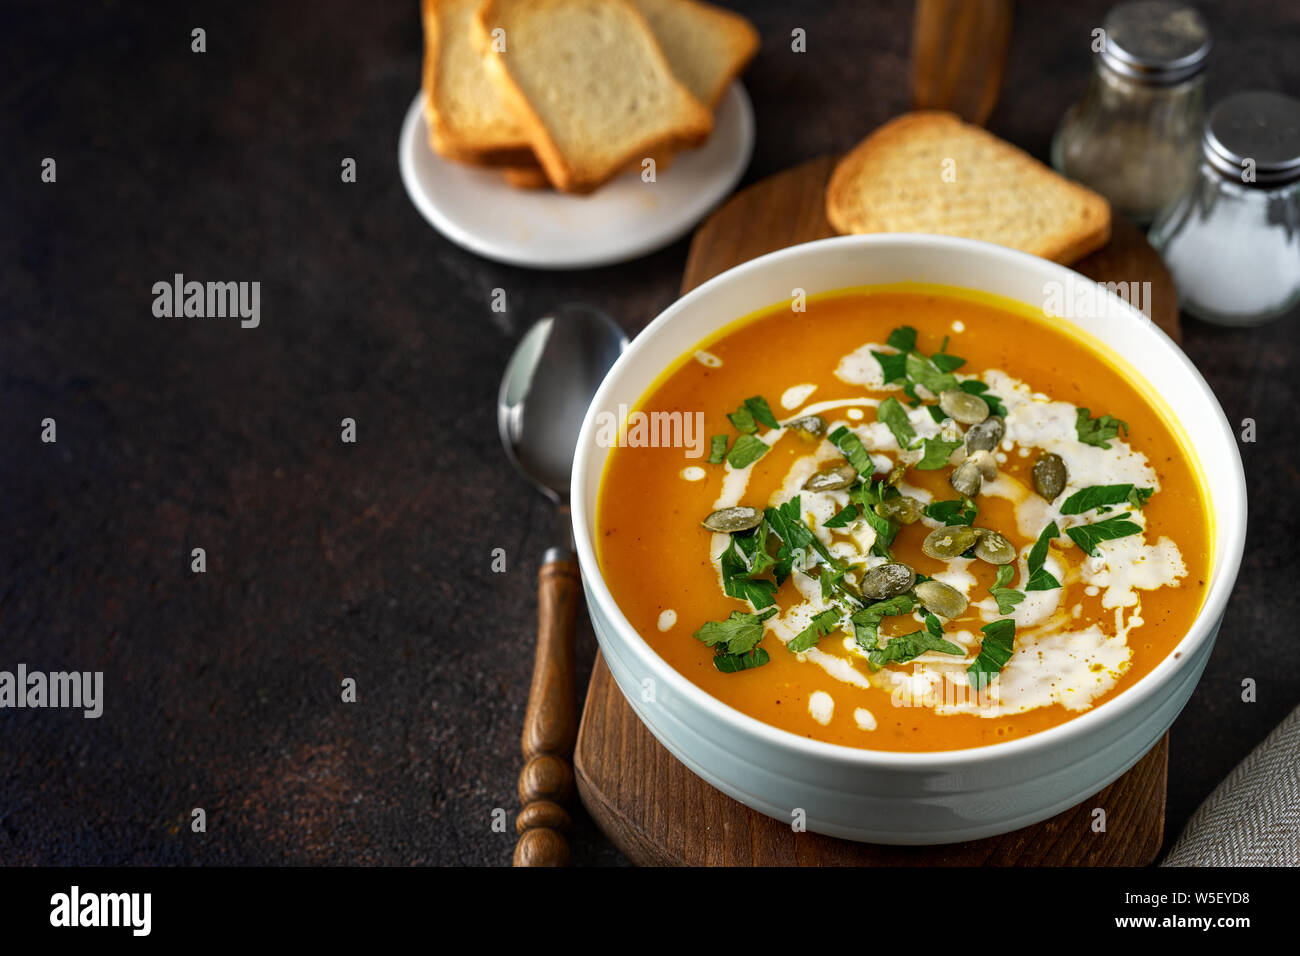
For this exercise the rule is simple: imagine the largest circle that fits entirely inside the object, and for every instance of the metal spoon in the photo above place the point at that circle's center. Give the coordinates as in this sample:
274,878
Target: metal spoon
548,385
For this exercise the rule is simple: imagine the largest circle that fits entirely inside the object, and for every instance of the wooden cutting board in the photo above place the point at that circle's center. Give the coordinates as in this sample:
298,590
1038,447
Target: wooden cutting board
659,813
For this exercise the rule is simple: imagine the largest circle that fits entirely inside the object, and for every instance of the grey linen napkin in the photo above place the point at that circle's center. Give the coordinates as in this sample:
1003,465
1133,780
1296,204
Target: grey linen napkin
1253,817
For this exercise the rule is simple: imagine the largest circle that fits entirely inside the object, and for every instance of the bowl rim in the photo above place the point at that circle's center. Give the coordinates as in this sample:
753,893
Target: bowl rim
1229,538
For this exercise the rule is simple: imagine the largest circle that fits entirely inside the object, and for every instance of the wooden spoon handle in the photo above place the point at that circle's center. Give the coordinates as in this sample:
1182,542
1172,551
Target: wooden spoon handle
959,53
551,723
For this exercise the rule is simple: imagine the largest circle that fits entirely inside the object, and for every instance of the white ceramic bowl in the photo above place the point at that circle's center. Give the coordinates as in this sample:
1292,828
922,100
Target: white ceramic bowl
909,798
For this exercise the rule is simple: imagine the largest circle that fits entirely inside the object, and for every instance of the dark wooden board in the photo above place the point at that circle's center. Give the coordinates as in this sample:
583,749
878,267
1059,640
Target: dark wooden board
659,813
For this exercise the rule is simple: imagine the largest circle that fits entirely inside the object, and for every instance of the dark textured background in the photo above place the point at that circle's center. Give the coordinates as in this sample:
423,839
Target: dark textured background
372,560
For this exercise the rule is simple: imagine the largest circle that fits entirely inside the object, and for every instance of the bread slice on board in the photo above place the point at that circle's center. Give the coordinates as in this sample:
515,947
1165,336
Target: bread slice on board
589,83
707,47
468,118
930,172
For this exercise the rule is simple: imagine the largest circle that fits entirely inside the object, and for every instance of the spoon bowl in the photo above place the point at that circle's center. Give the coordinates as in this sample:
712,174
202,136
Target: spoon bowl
548,385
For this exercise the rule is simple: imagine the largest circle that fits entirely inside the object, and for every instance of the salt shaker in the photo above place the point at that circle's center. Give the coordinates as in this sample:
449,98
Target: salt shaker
1134,135
1232,241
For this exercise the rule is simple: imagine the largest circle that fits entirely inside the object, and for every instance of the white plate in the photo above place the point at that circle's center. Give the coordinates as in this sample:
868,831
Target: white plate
545,229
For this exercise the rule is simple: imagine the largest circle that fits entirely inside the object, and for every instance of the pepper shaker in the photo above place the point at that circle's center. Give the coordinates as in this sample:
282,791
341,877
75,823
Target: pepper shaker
1134,135
1232,241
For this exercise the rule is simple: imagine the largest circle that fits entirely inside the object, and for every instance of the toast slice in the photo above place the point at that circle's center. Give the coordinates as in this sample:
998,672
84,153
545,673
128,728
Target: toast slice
526,177
930,172
706,47
589,84
468,118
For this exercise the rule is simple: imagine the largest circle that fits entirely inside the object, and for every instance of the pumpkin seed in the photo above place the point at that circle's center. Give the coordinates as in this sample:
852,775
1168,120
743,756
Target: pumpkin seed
809,426
987,464
992,548
901,508
1049,475
906,459
950,542
839,477
941,599
963,406
731,520
986,435
887,581
966,479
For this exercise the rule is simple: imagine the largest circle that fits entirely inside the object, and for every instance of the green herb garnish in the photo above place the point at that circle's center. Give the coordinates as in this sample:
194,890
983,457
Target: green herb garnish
747,450
739,633
906,647
850,445
787,523
738,580
955,511
1098,496
842,518
866,496
923,371
892,413
866,622
823,624
995,651
1138,497
731,663
1098,431
717,449
937,453
902,338
1088,536
754,412
1006,597
1040,579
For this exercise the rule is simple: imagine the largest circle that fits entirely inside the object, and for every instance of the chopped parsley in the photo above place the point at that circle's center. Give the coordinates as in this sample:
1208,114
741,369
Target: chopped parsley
866,496
955,511
1040,579
995,651
924,371
747,450
1099,496
1098,431
1088,536
906,647
824,623
866,622
902,338
842,518
738,580
850,445
739,633
731,663
892,413
1006,597
717,449
754,412
937,453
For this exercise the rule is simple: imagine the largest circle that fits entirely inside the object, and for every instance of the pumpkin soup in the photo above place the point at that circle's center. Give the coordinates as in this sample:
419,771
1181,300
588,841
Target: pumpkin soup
928,520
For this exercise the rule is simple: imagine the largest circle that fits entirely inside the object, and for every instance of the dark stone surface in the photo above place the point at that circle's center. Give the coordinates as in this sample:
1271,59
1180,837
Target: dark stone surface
372,560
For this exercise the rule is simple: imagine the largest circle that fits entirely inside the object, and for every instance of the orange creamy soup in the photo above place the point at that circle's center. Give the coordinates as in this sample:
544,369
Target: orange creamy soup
938,522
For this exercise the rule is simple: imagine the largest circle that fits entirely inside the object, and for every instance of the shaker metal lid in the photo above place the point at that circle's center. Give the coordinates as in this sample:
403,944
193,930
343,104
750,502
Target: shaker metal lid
1155,41
1255,130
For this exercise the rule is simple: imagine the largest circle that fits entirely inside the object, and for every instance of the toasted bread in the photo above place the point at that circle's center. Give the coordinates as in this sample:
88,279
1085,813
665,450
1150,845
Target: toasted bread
930,172
706,47
526,177
589,84
468,118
